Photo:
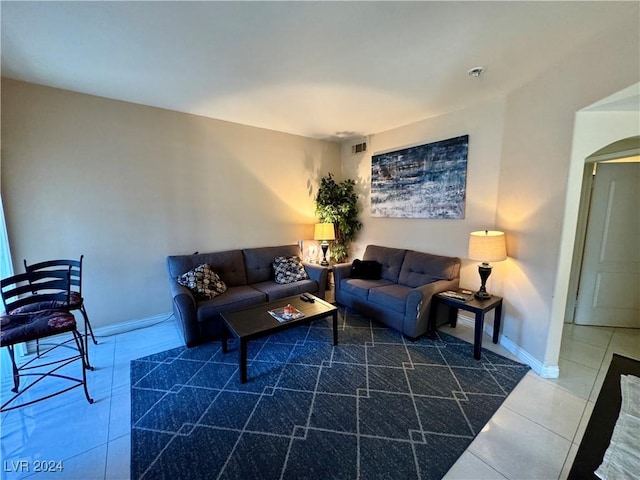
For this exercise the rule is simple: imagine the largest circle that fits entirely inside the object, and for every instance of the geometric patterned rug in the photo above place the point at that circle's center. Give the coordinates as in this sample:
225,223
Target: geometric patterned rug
375,406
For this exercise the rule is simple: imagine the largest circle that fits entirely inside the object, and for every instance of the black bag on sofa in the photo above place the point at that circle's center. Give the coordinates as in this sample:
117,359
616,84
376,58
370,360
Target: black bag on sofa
366,269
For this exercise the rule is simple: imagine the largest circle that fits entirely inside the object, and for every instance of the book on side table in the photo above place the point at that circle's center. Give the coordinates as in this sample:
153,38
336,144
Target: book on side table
461,295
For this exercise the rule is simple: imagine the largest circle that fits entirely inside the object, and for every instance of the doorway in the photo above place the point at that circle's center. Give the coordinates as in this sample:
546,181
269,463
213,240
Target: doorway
605,278
600,124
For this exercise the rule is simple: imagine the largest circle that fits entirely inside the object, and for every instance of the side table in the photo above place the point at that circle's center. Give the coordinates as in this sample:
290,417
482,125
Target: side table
478,307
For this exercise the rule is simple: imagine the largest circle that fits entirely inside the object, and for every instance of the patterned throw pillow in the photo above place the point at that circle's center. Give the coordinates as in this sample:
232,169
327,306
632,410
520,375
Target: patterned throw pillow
203,282
289,270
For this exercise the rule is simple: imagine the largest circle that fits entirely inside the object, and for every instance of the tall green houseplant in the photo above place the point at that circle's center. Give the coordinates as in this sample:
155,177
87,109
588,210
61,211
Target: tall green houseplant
337,203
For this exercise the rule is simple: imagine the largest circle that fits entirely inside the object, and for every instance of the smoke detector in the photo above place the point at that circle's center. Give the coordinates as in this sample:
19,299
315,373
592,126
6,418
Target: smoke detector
475,72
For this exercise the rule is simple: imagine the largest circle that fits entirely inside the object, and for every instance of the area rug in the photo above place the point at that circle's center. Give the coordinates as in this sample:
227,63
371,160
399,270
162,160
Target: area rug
597,435
374,406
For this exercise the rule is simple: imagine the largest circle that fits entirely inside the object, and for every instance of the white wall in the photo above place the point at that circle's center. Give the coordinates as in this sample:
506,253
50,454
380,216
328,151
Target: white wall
538,136
484,125
593,130
126,185
519,157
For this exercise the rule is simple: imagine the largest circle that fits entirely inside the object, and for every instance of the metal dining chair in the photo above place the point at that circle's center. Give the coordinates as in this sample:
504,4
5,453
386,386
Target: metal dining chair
30,317
76,300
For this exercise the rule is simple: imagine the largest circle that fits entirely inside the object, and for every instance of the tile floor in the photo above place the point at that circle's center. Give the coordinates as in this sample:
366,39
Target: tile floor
535,433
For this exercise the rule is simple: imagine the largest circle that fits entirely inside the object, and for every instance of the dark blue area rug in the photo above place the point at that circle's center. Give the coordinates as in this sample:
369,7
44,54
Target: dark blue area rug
375,406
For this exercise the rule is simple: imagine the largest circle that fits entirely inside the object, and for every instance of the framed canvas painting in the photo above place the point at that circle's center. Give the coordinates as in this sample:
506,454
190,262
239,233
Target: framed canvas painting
426,181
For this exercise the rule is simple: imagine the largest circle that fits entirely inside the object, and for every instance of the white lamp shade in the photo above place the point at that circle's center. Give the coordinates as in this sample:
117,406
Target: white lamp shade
324,231
487,246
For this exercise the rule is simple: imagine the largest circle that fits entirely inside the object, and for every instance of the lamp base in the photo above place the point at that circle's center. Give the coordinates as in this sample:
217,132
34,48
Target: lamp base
482,295
325,247
484,269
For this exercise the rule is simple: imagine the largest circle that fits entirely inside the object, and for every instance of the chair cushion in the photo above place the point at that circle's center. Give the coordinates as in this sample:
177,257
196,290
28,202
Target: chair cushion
75,301
392,297
390,259
229,265
288,270
24,327
275,291
422,268
259,261
360,287
38,307
235,298
203,282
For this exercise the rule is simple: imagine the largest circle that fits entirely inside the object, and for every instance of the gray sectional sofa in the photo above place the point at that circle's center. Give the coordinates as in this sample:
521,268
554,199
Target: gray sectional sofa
400,294
249,279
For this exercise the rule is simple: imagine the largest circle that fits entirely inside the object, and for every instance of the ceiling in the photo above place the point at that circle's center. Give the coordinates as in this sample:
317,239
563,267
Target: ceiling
330,70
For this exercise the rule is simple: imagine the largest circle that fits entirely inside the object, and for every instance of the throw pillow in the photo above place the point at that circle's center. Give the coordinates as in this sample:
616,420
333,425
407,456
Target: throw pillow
366,269
203,282
289,270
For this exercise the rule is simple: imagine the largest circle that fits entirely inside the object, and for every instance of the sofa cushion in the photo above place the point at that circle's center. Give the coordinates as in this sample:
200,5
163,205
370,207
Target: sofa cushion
288,270
422,268
390,259
235,298
360,287
203,282
274,291
392,297
259,261
228,265
367,269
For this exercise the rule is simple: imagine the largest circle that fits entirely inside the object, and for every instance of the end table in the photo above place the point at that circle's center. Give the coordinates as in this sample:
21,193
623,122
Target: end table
478,307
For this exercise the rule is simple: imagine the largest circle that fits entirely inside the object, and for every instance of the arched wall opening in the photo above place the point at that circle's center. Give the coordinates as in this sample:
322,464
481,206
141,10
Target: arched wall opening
608,121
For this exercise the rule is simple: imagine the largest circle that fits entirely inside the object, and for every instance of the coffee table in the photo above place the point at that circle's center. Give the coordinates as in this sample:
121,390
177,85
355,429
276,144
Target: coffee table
256,322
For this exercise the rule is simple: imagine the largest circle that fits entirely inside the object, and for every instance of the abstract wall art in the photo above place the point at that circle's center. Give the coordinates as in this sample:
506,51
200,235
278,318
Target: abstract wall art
427,181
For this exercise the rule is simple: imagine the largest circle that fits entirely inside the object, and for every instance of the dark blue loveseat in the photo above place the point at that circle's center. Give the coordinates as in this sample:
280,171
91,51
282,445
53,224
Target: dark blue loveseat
400,296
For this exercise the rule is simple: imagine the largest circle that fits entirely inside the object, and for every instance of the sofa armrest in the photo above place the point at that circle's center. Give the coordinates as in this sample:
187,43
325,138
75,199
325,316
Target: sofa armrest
340,272
320,274
418,304
185,311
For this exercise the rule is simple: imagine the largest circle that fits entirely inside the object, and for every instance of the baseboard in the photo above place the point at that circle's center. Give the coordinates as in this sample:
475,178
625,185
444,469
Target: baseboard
108,330
545,371
129,325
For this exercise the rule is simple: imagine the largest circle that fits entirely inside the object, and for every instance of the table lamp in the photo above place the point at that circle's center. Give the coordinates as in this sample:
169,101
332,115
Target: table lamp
486,246
324,232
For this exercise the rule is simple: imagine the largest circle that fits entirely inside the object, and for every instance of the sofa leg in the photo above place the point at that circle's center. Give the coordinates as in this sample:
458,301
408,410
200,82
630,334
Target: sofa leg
411,339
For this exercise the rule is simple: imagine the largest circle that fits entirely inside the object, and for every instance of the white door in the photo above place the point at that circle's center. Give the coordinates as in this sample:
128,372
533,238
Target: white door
609,291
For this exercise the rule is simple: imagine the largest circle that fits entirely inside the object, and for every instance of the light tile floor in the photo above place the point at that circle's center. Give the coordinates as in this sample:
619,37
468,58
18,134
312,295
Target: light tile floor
535,433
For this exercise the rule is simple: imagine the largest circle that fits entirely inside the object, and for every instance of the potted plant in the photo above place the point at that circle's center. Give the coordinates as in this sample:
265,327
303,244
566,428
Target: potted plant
337,203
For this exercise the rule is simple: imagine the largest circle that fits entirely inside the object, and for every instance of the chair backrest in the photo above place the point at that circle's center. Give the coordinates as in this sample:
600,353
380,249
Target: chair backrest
74,266
54,289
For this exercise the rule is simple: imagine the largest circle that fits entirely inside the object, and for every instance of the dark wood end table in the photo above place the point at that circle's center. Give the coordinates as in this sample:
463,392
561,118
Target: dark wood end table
256,322
478,307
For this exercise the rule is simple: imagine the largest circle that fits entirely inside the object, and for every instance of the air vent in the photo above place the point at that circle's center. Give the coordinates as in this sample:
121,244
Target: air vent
359,148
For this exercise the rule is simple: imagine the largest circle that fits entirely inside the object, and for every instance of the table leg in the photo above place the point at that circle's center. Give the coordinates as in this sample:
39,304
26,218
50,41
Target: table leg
497,321
431,322
477,340
453,316
224,342
243,361
335,327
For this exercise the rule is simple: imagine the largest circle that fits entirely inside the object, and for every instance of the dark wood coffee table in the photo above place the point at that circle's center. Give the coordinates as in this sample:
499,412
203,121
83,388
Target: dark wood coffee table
256,322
